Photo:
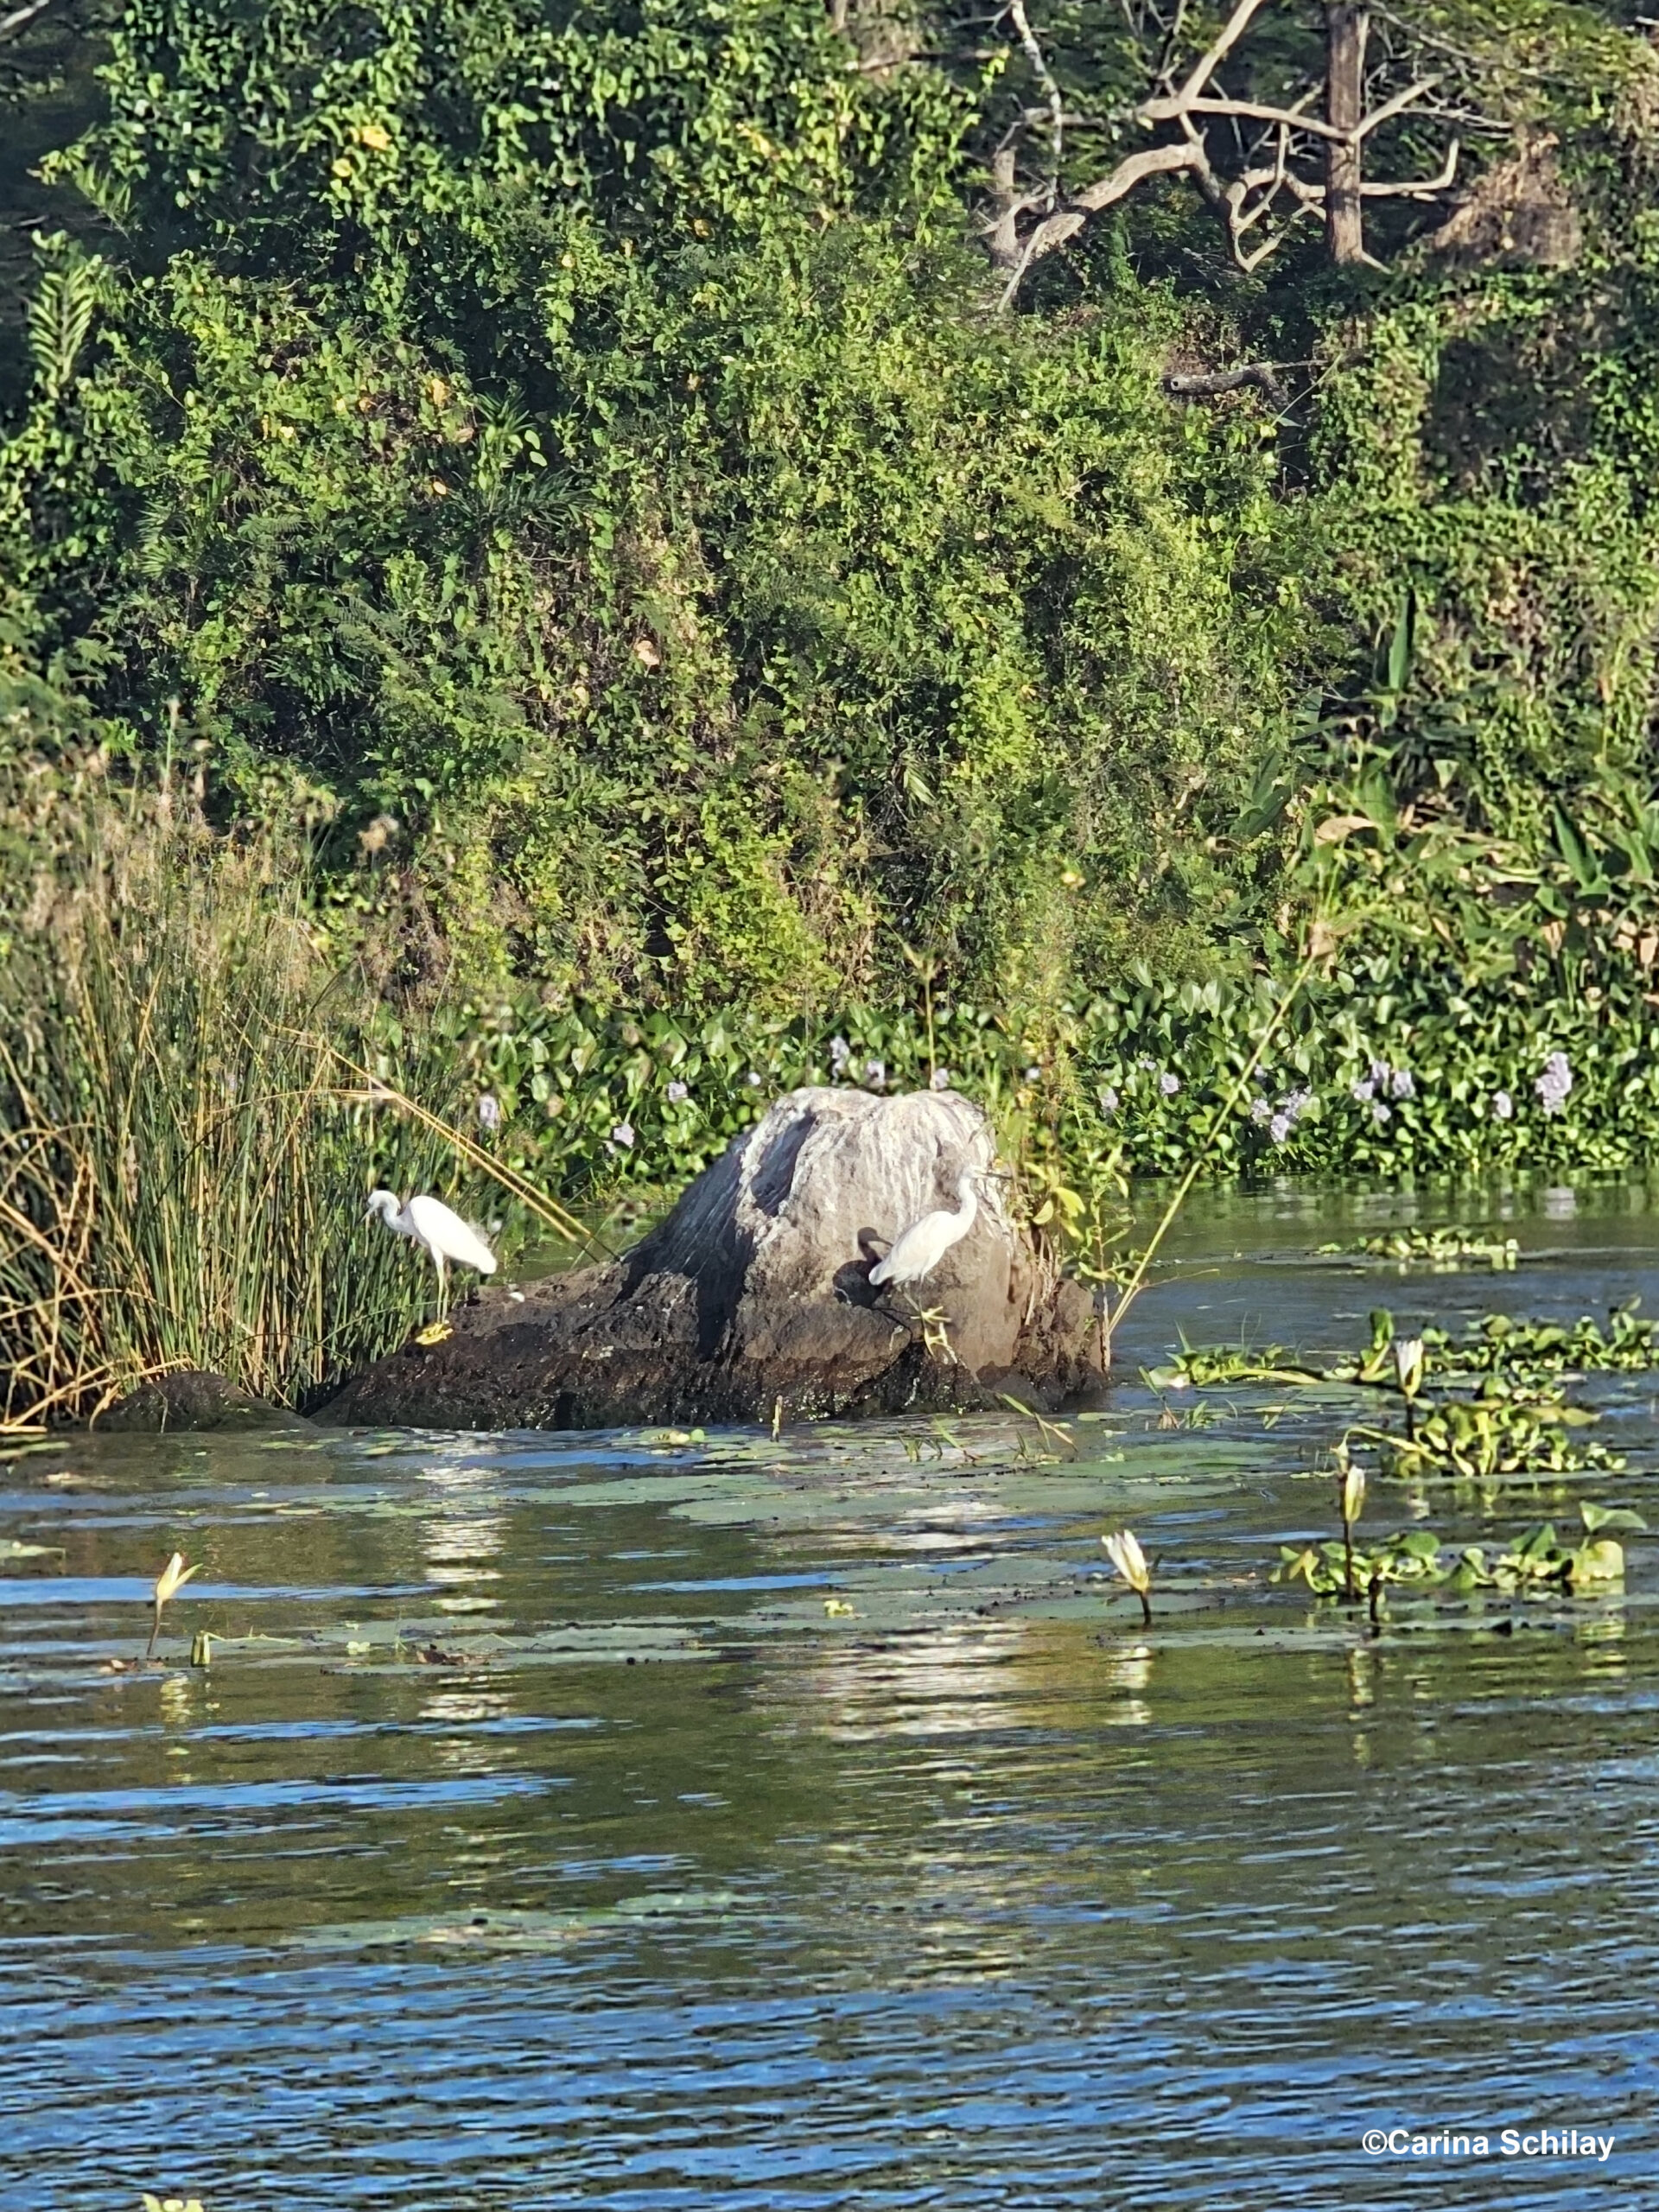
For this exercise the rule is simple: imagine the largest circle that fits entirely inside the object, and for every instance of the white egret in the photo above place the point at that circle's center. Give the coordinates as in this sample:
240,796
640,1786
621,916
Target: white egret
918,1249
428,1221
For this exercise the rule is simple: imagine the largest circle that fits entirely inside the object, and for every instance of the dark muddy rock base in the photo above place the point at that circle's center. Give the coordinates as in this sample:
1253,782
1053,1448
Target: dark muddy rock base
192,1398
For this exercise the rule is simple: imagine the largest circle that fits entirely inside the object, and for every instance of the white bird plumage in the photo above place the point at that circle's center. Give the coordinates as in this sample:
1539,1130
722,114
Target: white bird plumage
428,1221
918,1249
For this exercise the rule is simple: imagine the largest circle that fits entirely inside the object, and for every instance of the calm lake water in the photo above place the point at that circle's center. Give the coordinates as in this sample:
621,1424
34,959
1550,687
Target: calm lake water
538,1837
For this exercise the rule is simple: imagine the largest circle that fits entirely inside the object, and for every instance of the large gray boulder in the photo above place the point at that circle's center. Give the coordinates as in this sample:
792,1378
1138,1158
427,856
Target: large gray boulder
756,1288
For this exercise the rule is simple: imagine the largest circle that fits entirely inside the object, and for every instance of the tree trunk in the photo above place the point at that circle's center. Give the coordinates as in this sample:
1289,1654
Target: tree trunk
1346,27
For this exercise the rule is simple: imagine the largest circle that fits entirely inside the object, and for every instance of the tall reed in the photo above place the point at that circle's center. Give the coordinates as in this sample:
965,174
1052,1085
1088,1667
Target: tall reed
183,1168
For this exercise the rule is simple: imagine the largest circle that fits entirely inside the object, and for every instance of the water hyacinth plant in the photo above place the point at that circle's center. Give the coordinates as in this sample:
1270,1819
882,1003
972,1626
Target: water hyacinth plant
1501,1344
1442,1249
1417,1559
1500,1434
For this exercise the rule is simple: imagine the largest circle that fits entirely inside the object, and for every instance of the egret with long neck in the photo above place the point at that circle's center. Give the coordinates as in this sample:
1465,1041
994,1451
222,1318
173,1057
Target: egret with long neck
429,1222
918,1249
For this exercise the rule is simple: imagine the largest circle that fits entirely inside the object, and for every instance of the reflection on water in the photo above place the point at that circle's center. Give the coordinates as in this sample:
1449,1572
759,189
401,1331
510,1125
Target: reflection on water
613,1822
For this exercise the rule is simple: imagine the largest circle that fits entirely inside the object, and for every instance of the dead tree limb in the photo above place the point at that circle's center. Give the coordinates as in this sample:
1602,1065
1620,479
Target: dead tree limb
21,18
1347,29
1215,383
1269,191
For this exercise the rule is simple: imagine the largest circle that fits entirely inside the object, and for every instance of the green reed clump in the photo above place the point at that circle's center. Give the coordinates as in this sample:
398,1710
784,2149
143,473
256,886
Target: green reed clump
184,1151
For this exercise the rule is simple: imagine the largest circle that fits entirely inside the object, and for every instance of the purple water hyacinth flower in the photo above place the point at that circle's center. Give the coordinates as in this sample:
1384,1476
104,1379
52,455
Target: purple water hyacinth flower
622,1136
753,1079
876,1073
1556,1080
840,1052
1261,1110
1280,1128
1380,1113
1169,1084
1363,1093
1503,1106
489,1112
1108,1099
1401,1083
939,1080
679,1093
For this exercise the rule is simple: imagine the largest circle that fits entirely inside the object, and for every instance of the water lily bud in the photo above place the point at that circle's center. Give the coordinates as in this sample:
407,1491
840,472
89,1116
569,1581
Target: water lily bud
1124,1551
1408,1363
172,1579
1353,1494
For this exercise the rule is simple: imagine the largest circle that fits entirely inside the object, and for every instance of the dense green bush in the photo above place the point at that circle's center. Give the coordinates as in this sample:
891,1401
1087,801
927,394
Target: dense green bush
592,450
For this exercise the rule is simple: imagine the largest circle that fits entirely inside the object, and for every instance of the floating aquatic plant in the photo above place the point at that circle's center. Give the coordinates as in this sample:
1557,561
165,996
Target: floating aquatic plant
1502,1344
1417,1559
1499,1342
1504,1431
1444,1249
1205,1366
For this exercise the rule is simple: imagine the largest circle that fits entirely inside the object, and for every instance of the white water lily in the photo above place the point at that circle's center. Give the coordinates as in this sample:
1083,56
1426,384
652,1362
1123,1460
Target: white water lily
169,1583
172,1579
1409,1365
1353,1494
1123,1549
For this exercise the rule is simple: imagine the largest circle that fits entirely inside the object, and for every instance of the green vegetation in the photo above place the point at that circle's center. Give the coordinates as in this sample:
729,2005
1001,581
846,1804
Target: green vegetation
190,1103
1207,1366
1418,1562
1502,1432
1517,1423
1440,1248
721,560
1501,1344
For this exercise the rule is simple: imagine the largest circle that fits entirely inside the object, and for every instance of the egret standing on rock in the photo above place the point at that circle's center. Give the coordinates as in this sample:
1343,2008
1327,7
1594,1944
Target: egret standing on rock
917,1250
428,1221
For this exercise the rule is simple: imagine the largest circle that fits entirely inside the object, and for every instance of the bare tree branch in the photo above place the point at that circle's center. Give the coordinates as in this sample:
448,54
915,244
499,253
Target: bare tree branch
1171,110
1425,187
1217,383
1035,54
1054,230
1234,29
21,18
1267,176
